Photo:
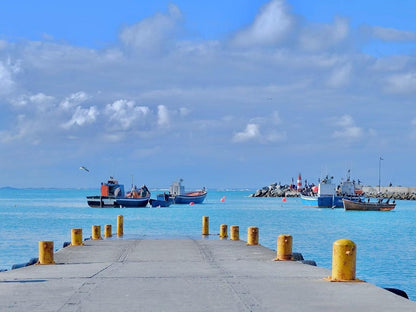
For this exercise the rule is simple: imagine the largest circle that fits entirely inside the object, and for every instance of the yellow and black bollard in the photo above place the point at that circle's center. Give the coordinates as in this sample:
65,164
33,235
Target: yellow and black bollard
234,232
76,237
46,252
205,225
96,232
223,231
343,261
120,225
253,235
284,247
107,230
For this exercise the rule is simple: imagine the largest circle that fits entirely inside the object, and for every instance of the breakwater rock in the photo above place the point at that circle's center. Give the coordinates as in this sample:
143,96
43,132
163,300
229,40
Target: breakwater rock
393,194
276,190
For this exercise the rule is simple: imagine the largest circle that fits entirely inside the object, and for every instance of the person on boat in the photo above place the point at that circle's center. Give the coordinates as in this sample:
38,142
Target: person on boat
144,191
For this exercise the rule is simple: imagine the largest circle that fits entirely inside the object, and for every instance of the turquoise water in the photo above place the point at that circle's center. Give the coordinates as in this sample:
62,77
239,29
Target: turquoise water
386,241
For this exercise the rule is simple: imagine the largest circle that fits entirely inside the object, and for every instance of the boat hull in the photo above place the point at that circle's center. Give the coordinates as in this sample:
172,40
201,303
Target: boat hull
159,203
198,198
322,201
363,206
102,202
133,202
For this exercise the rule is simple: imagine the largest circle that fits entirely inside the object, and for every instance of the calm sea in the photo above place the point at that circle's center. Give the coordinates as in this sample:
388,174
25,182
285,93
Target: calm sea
386,241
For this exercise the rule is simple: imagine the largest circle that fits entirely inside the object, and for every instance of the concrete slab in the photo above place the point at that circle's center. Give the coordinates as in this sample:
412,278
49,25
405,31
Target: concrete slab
183,275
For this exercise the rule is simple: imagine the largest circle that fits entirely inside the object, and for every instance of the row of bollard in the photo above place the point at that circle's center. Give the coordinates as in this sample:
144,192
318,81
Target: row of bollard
343,253
46,247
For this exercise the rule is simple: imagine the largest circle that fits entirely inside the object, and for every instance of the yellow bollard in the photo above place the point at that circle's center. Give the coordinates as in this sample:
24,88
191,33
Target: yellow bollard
76,237
107,230
46,252
120,225
284,247
205,225
96,232
223,231
253,235
234,232
343,261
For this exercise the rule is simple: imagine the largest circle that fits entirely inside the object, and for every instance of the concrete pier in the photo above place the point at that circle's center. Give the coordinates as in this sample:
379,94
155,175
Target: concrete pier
183,275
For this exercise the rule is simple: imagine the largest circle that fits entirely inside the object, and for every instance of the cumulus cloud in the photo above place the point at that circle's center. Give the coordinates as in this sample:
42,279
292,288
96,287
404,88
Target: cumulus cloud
163,119
340,76
271,25
320,37
261,129
74,100
346,129
82,116
152,32
7,71
249,133
125,114
402,83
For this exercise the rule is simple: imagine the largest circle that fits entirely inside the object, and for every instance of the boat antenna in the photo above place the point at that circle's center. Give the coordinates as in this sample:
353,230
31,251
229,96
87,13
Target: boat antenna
379,176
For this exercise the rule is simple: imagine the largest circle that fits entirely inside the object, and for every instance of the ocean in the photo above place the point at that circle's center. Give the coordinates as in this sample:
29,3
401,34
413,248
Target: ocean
386,241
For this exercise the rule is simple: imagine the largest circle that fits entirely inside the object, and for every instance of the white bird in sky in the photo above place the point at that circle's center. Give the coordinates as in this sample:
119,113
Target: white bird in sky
84,168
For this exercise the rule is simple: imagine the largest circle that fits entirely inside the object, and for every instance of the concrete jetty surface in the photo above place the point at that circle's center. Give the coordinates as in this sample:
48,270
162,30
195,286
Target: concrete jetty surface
183,275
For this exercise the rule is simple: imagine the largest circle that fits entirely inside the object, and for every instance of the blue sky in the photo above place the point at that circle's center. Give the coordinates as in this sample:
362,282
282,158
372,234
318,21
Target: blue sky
219,94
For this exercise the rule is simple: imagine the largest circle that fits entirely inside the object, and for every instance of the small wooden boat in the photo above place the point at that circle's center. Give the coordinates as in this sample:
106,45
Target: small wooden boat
368,206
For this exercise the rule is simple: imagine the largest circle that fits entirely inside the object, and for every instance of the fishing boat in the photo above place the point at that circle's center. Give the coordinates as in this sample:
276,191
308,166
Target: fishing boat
368,206
159,202
328,196
178,195
113,196
325,195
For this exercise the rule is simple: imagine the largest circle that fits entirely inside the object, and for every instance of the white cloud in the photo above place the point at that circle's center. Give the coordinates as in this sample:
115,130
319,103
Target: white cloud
268,133
319,37
163,119
74,100
340,76
346,129
151,32
271,25
124,114
249,133
402,83
391,34
7,82
82,116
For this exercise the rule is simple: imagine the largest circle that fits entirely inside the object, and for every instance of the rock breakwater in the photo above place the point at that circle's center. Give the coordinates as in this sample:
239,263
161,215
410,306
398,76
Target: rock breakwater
393,192
276,190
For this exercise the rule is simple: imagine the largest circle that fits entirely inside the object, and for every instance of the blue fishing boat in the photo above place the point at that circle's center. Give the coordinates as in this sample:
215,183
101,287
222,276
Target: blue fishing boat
113,196
178,195
327,195
160,202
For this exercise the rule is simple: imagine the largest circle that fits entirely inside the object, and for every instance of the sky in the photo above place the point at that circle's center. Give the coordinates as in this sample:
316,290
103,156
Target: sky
222,94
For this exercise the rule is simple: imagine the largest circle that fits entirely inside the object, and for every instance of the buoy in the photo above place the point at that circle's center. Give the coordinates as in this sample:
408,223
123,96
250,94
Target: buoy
299,183
284,199
191,203
222,199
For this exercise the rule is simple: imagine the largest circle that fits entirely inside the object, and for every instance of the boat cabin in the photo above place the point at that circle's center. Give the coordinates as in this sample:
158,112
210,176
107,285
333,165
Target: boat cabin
176,188
112,188
326,187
